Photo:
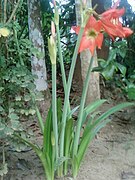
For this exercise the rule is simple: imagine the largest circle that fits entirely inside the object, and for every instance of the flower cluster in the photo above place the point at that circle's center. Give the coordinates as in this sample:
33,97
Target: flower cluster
107,22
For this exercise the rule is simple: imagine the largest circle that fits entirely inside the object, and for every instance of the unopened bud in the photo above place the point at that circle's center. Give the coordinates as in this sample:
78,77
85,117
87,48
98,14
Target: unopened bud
84,2
52,49
54,2
56,17
53,28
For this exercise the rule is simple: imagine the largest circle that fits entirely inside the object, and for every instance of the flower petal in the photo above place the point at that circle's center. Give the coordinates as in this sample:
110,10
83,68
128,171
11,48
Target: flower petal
91,22
127,31
99,40
84,44
113,13
92,46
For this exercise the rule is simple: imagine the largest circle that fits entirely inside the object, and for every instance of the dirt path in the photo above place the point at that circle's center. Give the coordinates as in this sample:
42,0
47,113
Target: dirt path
111,155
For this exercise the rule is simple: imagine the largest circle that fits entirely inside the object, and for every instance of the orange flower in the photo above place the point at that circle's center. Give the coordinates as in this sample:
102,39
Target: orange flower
92,36
111,24
113,13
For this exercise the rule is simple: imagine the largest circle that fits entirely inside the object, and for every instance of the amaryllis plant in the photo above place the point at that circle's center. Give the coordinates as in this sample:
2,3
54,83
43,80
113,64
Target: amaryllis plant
62,150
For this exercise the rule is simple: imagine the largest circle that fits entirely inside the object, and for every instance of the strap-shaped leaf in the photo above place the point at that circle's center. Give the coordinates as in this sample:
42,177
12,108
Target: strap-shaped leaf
59,110
99,127
75,166
73,111
112,111
84,145
92,107
47,145
68,140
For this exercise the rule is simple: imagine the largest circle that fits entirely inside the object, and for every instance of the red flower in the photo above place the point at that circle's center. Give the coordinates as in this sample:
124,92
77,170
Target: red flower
113,13
92,36
113,29
111,24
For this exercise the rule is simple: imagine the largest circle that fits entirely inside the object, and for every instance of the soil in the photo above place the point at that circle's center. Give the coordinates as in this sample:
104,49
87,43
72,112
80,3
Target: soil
111,156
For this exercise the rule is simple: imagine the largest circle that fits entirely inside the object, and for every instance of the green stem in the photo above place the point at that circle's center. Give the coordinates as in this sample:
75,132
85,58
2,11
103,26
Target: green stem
40,120
39,117
61,63
14,11
5,11
82,104
67,93
54,108
61,59
18,48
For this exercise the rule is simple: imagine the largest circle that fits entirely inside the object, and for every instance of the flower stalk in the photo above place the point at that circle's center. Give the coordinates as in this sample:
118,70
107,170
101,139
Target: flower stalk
54,108
82,104
67,93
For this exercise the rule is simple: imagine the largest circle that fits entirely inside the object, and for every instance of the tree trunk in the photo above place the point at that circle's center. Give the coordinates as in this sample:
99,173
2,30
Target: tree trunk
36,37
93,89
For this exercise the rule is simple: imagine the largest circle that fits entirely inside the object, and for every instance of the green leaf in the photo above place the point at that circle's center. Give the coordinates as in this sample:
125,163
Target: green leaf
92,107
112,55
108,71
111,111
131,93
47,146
32,111
1,89
68,140
103,63
122,52
99,127
73,111
8,131
121,68
2,126
84,143
15,125
75,166
60,161
3,169
1,109
13,116
59,110
18,98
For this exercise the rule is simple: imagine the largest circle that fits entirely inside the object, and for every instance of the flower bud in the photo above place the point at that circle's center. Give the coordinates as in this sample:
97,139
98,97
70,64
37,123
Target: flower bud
54,3
56,17
52,49
84,2
53,28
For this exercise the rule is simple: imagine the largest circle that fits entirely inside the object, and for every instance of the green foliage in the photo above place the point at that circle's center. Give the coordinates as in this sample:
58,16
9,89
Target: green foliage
111,66
16,79
3,169
119,68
